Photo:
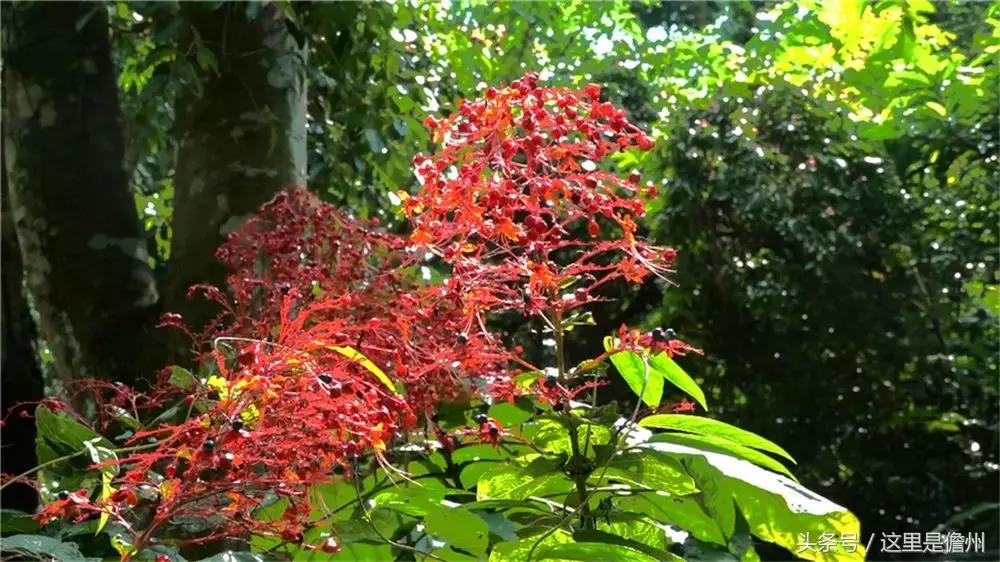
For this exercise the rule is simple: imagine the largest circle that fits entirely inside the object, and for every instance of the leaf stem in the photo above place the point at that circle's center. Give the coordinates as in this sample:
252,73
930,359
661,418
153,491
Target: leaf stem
578,475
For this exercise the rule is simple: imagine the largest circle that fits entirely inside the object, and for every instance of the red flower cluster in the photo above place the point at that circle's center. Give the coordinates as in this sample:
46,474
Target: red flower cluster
520,204
295,390
655,341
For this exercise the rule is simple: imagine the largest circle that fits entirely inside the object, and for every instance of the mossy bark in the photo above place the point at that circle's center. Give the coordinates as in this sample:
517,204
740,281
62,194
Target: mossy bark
241,137
84,254
22,375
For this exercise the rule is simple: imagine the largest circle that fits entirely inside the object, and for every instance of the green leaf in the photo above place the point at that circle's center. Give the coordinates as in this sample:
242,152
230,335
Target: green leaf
459,527
473,472
725,446
510,414
61,436
591,551
509,483
650,470
552,435
410,500
501,527
517,551
684,512
374,141
100,455
404,103
937,107
777,509
714,428
65,434
481,452
14,522
648,532
206,59
360,359
525,380
181,377
45,548
673,372
635,371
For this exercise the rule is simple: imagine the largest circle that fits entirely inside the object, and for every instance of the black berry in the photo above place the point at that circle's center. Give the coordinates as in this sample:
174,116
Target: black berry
551,381
208,445
63,495
325,378
336,389
236,424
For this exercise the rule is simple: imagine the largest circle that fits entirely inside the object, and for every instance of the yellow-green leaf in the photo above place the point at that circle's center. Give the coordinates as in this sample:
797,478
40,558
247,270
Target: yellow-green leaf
713,428
938,108
673,372
359,358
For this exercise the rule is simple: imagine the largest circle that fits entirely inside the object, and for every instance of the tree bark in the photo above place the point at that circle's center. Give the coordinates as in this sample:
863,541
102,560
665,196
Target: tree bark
22,375
241,137
84,254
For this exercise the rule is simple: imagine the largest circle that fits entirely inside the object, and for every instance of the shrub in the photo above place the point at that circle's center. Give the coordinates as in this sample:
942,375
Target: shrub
353,393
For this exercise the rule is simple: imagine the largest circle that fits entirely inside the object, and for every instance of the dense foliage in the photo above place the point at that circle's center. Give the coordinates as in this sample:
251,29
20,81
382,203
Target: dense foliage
827,172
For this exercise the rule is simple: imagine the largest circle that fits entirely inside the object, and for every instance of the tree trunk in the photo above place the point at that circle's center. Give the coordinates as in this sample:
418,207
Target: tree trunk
22,375
241,137
84,254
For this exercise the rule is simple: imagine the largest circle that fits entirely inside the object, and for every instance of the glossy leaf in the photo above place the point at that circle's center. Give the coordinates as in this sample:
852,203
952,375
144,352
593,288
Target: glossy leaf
645,382
515,484
713,428
43,547
459,527
591,551
518,551
510,414
650,470
719,445
776,508
683,512
673,372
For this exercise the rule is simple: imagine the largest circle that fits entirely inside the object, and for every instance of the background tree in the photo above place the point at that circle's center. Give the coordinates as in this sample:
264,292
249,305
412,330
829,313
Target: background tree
22,380
63,152
240,132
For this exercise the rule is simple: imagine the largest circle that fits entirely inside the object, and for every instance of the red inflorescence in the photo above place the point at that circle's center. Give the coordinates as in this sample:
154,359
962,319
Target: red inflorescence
329,346
522,174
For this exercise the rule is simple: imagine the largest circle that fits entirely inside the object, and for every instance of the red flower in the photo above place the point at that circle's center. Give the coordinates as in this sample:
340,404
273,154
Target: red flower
519,173
490,431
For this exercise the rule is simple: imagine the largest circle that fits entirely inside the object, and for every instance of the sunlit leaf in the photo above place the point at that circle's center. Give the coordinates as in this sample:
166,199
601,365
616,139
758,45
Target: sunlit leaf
713,428
673,372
